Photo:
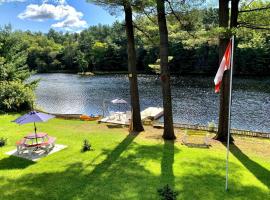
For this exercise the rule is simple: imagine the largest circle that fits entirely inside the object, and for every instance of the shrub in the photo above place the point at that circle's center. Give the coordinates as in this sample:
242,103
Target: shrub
15,96
166,193
86,146
16,90
3,141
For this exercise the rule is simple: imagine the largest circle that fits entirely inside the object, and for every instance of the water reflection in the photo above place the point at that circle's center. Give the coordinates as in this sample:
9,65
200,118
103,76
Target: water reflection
194,100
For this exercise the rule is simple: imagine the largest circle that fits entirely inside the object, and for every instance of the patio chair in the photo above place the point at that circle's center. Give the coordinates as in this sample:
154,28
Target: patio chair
128,116
111,116
206,139
49,145
20,145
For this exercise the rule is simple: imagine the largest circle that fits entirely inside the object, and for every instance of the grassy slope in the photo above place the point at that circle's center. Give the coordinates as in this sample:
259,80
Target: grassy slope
127,167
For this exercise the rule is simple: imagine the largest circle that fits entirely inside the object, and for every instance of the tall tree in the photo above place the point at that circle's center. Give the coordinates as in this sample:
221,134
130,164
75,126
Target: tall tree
168,133
222,133
136,122
225,86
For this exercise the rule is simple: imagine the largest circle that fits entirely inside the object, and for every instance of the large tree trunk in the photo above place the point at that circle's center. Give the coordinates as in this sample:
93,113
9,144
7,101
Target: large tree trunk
225,86
234,23
168,133
234,13
136,122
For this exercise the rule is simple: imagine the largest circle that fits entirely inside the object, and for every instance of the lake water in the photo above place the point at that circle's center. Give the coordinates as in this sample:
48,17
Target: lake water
193,98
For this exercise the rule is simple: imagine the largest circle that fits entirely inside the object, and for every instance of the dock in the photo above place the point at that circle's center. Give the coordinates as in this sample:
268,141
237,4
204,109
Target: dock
121,118
152,113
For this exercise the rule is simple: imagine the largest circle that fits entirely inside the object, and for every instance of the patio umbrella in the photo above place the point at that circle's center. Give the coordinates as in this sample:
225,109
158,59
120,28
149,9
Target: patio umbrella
119,102
33,117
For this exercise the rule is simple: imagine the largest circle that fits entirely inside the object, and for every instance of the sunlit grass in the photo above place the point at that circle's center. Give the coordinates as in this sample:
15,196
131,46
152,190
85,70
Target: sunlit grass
123,166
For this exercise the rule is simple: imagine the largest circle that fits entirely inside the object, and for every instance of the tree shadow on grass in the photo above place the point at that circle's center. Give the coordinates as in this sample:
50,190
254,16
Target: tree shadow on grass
43,186
167,175
126,178
207,181
199,146
13,162
130,171
128,175
256,169
115,126
73,181
123,175
112,156
212,186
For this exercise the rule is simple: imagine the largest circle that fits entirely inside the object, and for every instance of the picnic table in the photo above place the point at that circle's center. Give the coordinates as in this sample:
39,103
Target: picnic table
34,136
33,142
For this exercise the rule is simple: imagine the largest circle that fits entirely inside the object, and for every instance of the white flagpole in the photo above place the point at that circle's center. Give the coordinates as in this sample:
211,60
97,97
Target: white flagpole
229,117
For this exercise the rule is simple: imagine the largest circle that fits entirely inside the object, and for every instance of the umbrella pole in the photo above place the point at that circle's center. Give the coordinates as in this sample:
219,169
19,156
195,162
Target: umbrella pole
35,132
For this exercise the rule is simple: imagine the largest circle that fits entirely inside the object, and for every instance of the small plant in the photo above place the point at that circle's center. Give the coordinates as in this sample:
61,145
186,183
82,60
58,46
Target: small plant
166,193
211,126
3,141
86,146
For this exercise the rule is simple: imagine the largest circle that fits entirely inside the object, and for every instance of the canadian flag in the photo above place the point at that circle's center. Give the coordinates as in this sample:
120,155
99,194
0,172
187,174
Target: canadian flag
224,65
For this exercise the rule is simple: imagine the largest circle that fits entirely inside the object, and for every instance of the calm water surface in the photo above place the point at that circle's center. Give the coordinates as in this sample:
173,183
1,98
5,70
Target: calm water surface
194,100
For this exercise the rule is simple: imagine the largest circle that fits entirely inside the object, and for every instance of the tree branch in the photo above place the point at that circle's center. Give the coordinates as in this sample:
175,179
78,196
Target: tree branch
250,2
177,17
255,9
146,34
253,26
149,17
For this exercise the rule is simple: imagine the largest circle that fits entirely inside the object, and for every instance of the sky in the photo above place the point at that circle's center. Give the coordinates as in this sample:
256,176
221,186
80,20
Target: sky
61,15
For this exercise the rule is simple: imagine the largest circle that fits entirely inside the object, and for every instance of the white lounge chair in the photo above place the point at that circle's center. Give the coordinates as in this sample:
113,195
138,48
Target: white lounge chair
111,116
128,116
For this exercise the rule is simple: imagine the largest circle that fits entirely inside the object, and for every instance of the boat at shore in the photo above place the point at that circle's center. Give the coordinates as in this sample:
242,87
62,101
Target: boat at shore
89,118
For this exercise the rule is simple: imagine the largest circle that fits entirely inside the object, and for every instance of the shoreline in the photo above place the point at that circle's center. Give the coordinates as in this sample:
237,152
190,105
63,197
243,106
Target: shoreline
100,73
158,125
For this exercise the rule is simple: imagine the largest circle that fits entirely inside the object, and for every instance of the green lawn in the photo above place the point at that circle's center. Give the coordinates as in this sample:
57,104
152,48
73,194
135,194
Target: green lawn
129,167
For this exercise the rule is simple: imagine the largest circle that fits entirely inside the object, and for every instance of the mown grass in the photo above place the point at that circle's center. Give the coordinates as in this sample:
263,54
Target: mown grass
126,166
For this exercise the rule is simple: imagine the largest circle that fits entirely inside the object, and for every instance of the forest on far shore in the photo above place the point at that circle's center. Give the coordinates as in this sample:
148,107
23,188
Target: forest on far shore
193,45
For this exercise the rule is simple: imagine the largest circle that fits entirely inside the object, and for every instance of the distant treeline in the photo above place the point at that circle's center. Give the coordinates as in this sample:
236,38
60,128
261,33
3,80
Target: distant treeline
193,47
